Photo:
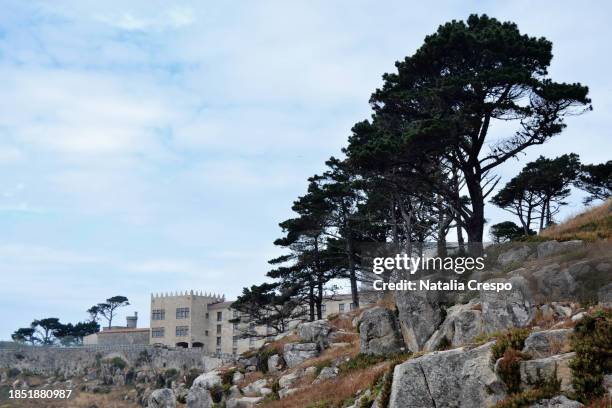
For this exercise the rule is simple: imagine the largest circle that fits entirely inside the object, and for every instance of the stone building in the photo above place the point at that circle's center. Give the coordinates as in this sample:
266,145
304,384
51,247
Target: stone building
196,319
120,335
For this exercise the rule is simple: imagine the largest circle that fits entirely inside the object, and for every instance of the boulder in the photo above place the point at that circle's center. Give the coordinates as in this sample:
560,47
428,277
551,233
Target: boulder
505,309
453,378
199,397
326,374
288,380
551,248
208,380
462,324
604,295
237,377
255,387
554,282
162,398
315,332
243,402
296,353
514,255
285,392
535,371
275,364
547,343
378,332
560,401
419,316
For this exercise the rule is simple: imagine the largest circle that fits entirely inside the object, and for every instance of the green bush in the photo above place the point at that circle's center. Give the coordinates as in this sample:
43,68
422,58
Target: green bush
511,339
191,376
592,342
118,362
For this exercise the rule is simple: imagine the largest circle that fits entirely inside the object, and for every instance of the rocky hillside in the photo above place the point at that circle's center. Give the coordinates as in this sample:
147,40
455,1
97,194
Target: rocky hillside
547,342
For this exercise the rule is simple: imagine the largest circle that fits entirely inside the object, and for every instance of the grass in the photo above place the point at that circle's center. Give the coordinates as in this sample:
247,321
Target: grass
333,392
591,225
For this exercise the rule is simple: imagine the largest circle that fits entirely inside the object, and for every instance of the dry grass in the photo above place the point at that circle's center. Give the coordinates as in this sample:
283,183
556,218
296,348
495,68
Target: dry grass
591,225
342,322
333,392
277,345
387,301
603,402
332,354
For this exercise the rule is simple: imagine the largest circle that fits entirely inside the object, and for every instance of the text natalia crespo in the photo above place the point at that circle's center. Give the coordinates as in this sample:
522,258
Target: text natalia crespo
452,285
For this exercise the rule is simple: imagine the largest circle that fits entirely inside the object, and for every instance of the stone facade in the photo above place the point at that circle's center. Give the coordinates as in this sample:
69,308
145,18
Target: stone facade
193,319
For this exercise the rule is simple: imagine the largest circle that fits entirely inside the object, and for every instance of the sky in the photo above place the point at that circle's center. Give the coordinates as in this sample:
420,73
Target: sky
153,146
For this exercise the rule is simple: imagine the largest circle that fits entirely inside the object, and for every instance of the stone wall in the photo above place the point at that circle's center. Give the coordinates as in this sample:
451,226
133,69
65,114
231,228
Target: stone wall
75,361
121,337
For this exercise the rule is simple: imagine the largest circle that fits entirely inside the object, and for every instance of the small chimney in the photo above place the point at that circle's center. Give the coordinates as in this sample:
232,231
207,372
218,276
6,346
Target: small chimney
132,321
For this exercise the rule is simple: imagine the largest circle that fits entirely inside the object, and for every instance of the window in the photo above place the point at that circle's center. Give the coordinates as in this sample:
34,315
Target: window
219,316
218,350
341,307
182,331
218,341
182,313
323,308
207,316
235,341
235,351
157,332
206,333
351,306
158,314
235,314
218,329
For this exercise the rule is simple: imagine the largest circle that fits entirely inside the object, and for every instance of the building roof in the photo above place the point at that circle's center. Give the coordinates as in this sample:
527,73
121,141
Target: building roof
124,330
220,305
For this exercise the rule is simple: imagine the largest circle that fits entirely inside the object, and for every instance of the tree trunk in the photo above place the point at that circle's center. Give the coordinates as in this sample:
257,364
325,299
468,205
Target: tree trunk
311,303
352,273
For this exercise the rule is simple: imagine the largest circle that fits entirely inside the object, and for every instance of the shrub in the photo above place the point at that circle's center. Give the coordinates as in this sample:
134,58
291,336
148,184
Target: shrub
511,339
13,372
360,361
191,376
592,342
509,370
118,362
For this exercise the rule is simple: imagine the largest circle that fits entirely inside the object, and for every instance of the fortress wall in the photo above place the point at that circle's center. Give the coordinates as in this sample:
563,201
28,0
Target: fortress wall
76,361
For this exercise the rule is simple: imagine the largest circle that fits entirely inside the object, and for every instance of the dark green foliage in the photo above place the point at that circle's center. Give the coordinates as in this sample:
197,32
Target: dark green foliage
118,362
511,339
547,389
596,179
191,376
506,231
143,358
509,369
592,342
108,309
13,372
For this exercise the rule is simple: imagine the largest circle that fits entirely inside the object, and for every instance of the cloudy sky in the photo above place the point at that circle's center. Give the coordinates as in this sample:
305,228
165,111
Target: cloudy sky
154,146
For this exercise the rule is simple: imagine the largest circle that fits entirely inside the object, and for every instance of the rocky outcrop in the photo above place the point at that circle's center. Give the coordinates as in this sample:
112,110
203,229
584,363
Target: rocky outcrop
551,248
326,373
547,343
256,387
462,324
199,397
514,255
162,398
419,316
315,332
505,309
208,380
453,378
275,364
378,332
533,372
242,402
296,353
560,401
